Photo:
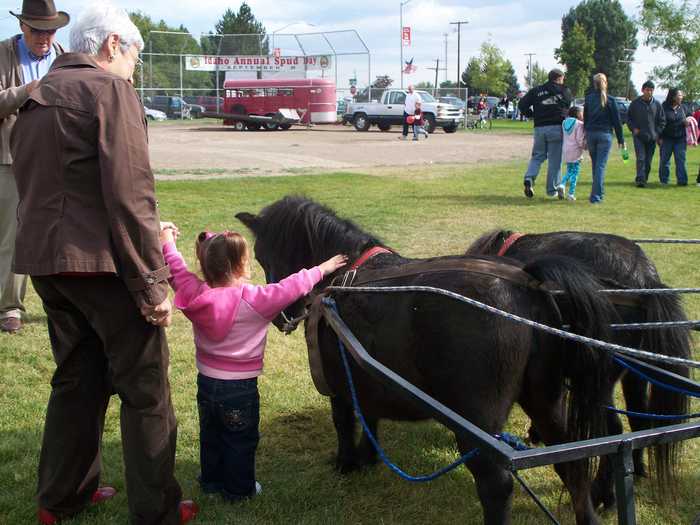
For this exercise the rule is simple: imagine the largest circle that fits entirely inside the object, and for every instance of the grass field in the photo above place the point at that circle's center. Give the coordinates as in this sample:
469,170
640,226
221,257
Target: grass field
418,212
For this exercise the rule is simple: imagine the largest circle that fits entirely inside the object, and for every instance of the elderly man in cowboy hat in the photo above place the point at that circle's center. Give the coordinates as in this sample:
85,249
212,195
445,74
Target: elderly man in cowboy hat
24,59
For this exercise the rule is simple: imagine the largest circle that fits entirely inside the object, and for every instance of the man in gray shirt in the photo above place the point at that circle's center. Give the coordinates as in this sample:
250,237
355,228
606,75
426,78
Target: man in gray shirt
646,121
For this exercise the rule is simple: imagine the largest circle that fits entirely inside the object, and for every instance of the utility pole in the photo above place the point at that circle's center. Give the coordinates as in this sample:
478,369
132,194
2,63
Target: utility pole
529,70
629,62
445,66
459,35
436,69
401,4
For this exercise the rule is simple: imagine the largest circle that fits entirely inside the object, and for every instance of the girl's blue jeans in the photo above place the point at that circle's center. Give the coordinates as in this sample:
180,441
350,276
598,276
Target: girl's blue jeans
229,416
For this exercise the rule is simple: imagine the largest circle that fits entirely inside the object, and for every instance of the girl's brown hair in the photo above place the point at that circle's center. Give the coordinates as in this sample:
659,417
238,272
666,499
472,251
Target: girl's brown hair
221,256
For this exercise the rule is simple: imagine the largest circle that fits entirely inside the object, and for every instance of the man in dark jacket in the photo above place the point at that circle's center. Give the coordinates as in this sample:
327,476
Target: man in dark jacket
548,105
646,121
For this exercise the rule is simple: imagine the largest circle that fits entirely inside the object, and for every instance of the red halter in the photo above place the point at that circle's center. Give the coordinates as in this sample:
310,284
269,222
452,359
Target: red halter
509,242
368,254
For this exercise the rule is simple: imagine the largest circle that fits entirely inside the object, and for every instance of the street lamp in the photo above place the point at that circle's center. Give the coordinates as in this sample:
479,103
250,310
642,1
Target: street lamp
401,4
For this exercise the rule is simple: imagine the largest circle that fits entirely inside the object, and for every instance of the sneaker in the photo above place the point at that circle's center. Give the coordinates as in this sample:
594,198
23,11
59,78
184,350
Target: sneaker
560,192
664,183
258,488
641,184
570,197
529,192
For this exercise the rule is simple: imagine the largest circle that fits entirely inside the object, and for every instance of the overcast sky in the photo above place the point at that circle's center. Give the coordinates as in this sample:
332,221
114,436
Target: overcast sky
517,27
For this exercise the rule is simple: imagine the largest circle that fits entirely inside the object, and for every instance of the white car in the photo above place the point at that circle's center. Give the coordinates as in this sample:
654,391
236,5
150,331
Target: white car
154,114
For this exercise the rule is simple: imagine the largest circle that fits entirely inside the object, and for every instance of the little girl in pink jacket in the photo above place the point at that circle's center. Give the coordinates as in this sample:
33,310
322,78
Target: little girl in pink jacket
229,319
574,142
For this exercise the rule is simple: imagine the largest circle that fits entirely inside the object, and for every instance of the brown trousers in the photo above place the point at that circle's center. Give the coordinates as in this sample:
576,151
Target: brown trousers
101,345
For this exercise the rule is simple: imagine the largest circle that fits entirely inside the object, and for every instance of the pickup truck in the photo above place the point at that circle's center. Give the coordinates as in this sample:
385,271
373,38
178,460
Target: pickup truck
389,112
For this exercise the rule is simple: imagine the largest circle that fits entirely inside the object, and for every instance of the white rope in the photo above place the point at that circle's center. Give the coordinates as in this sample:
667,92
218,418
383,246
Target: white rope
668,241
610,347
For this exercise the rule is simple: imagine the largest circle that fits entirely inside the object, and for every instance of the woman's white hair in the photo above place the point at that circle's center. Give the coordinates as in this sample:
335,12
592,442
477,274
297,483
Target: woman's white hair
97,22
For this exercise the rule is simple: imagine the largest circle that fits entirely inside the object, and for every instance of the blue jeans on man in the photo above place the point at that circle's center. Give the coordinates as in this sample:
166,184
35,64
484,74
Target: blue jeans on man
677,148
229,416
599,145
644,151
547,146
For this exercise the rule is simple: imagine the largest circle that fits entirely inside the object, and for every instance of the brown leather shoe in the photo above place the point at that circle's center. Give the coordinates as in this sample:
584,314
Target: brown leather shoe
11,325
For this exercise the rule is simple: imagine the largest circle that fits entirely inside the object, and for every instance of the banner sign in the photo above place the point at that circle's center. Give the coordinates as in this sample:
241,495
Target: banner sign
257,63
406,36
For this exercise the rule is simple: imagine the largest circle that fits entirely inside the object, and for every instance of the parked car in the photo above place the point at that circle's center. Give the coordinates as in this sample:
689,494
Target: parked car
154,114
196,110
173,107
623,106
207,103
455,101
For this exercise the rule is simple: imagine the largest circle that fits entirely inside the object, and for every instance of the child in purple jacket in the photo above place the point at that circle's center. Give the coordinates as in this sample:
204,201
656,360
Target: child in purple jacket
229,318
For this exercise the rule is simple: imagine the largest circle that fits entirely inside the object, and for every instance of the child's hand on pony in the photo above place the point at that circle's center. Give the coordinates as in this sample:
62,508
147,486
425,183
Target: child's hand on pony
332,264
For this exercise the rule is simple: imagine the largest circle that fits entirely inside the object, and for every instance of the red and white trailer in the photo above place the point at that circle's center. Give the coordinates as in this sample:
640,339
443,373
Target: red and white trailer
313,99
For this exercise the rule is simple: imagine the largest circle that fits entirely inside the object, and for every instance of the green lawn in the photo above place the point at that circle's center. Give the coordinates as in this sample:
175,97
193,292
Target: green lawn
421,212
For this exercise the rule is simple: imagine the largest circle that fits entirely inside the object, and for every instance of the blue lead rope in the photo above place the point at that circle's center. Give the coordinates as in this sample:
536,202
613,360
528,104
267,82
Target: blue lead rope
509,439
656,382
660,384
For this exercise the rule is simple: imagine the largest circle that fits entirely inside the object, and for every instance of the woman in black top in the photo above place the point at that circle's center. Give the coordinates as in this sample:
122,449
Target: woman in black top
673,139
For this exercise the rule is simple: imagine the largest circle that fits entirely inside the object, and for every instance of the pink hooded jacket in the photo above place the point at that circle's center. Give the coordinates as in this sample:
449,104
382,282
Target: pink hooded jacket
230,323
574,139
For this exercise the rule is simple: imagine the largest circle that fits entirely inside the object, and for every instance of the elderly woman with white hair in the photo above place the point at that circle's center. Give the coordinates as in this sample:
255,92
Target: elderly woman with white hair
88,236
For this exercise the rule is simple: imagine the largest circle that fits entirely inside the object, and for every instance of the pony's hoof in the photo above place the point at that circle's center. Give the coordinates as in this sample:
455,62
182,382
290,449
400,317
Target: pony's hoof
640,470
345,466
602,497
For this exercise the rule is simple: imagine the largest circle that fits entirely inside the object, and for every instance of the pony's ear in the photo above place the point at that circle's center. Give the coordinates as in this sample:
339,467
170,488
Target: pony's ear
250,220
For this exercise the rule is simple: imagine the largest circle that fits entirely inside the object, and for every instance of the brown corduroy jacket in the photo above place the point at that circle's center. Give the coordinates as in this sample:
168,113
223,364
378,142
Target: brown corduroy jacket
86,190
13,92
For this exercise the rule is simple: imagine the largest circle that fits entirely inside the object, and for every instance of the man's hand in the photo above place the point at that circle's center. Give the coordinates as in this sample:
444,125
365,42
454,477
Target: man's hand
159,315
32,86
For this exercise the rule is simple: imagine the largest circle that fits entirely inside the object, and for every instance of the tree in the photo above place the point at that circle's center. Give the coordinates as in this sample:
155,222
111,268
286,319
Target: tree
381,83
164,71
576,53
614,35
539,76
490,72
675,28
512,79
241,24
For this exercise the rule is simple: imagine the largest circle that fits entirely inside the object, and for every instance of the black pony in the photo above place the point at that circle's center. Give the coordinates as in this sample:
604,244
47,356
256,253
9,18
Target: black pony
477,364
618,263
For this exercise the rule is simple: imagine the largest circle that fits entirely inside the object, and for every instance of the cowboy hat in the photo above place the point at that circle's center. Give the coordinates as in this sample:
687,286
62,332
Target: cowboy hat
42,15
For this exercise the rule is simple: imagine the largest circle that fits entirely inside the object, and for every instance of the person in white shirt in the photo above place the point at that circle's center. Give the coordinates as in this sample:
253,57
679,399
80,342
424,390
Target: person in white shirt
409,108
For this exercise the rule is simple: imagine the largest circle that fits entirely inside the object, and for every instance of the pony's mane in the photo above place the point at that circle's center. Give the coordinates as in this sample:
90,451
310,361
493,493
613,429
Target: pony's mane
285,222
489,243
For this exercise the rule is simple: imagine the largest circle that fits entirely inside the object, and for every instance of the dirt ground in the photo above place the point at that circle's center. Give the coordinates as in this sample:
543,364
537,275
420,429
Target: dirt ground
211,151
